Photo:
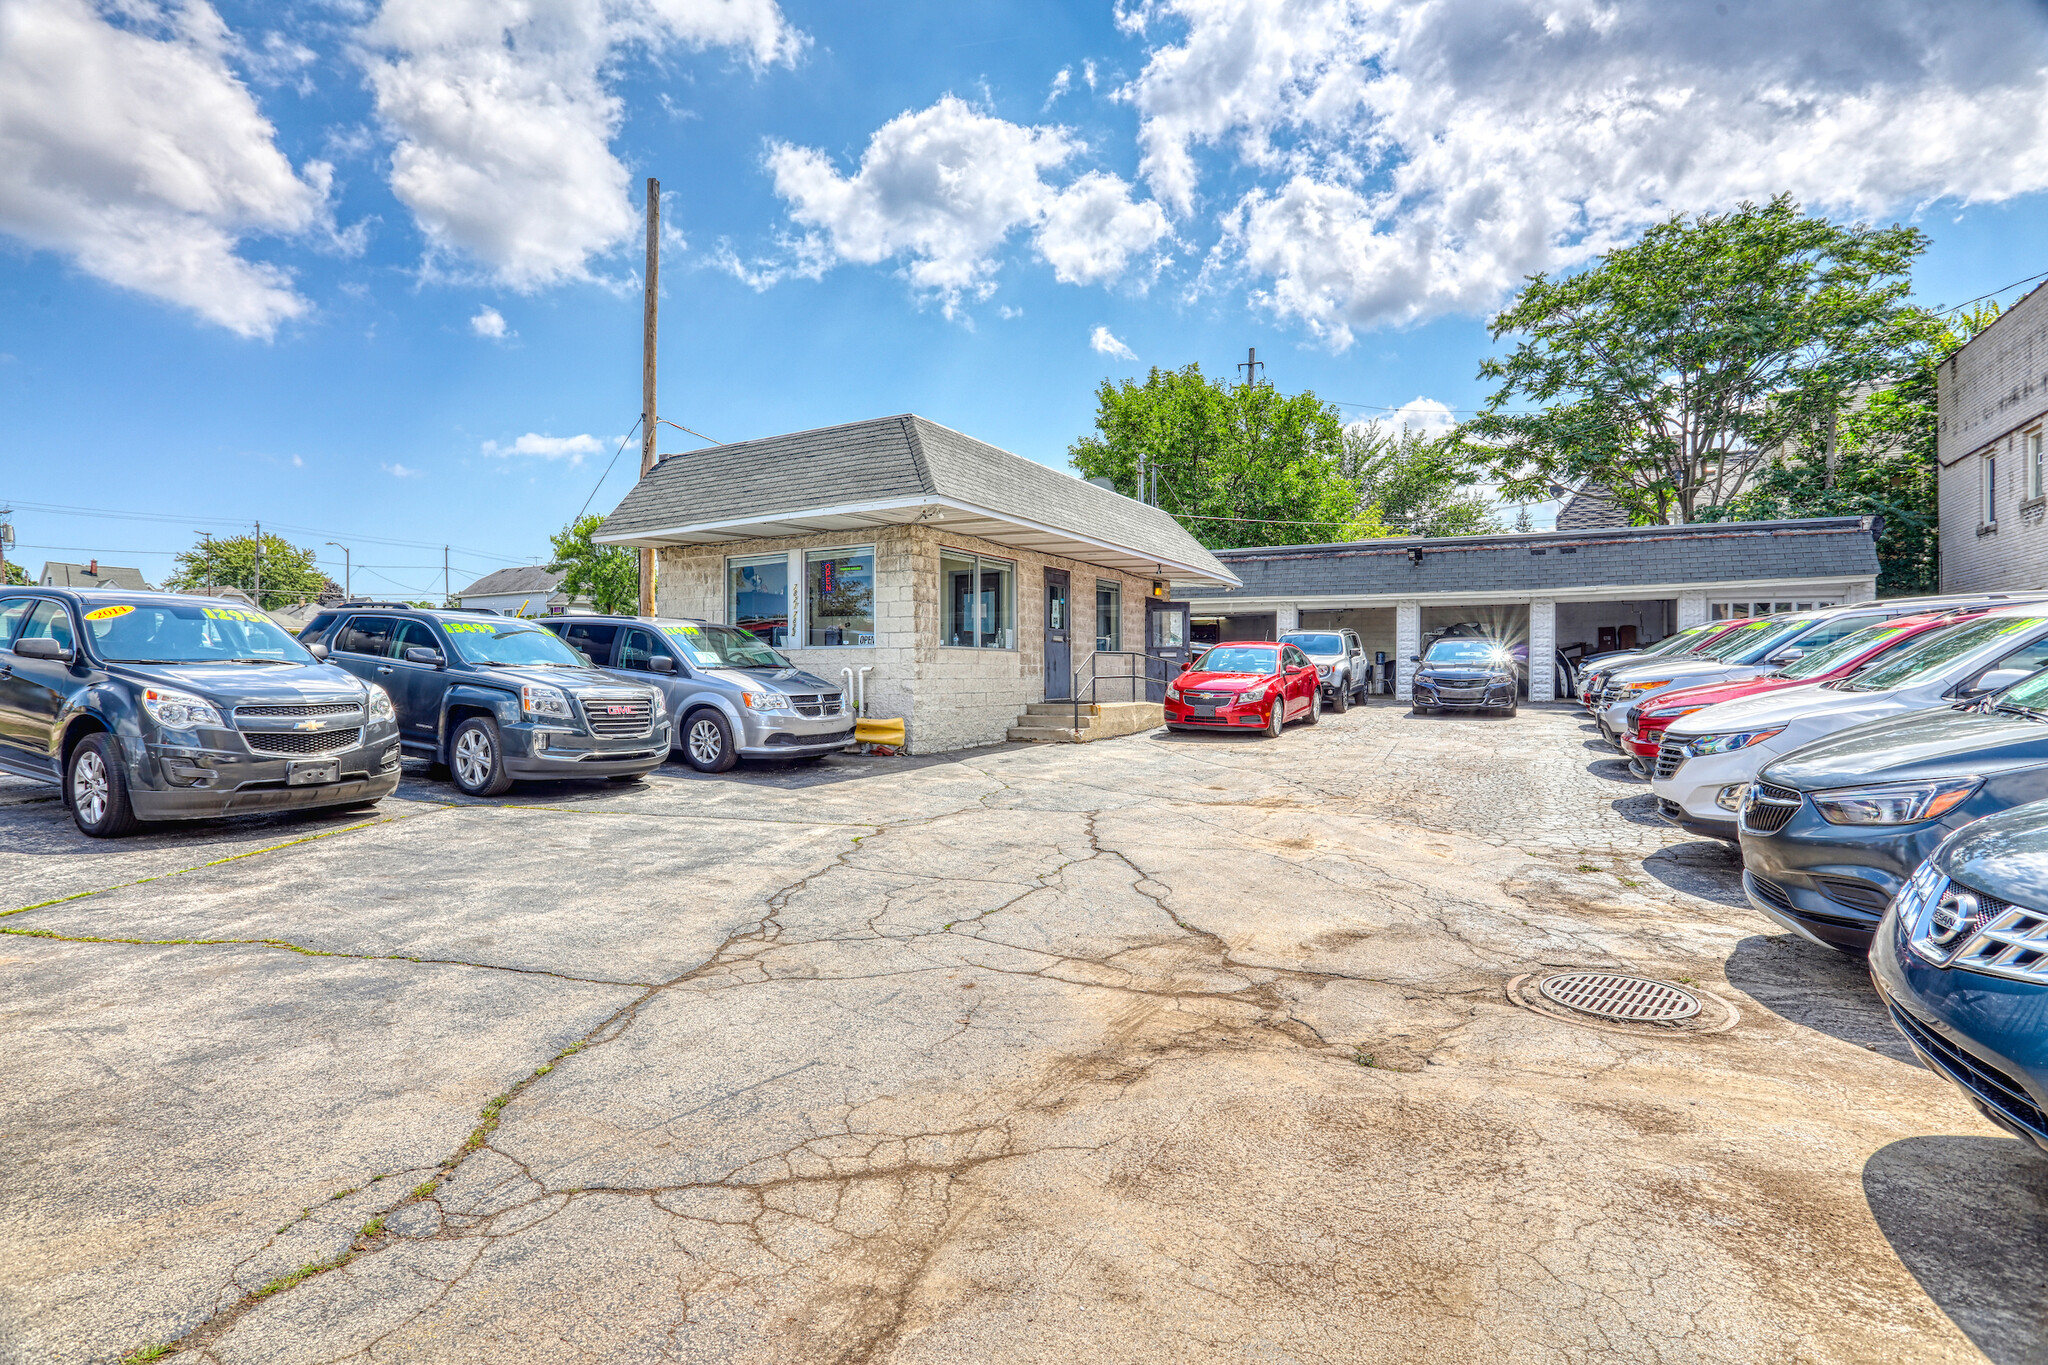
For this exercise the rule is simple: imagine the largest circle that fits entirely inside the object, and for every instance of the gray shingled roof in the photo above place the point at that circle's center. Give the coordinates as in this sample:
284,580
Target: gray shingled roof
525,578
834,478
1590,507
57,574
1560,561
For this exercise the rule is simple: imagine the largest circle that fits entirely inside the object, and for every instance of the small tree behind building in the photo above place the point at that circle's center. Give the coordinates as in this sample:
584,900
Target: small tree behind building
609,575
289,573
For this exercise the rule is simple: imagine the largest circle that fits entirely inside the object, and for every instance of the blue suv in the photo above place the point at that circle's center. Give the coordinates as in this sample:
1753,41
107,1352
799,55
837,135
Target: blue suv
493,698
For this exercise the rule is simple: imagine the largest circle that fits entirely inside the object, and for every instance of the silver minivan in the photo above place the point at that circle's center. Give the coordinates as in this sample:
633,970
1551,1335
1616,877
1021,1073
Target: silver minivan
732,695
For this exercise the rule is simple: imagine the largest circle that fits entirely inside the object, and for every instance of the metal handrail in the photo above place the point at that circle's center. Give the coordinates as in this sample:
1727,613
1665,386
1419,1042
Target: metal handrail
1095,676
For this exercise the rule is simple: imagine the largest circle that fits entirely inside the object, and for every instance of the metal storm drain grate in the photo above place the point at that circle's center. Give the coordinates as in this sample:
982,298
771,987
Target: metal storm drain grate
1628,999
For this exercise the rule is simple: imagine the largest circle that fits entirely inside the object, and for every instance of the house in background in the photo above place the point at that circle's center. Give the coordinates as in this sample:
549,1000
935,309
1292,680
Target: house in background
1993,484
92,575
525,591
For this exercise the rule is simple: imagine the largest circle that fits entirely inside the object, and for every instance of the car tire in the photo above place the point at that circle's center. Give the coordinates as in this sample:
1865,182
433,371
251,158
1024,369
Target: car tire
1276,718
96,789
1420,710
1315,706
476,758
707,742
1509,710
1343,701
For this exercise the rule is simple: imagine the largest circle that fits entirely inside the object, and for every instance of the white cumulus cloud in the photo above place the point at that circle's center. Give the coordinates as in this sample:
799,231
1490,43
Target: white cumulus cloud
1411,159
502,114
489,322
399,471
1062,81
129,144
570,448
1424,416
1104,341
944,188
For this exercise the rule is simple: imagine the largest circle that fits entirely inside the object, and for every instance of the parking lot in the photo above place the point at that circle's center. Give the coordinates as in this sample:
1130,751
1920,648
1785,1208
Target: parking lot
1165,1048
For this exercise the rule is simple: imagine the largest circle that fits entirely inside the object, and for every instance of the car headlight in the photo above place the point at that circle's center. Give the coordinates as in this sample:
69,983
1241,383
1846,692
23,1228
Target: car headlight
551,703
1646,686
1902,803
1322,670
1729,798
380,704
765,701
1671,713
179,710
1728,744
660,704
1172,692
1257,693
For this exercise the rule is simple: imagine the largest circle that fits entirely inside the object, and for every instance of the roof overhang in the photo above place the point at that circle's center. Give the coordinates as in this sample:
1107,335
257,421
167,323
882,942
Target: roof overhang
941,514
1232,604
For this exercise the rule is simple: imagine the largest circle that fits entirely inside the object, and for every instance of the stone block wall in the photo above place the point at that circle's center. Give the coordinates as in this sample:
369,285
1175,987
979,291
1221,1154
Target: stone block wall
1993,395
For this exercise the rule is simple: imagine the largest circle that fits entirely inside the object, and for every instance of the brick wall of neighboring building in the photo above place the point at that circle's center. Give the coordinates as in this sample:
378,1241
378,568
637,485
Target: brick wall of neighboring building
1993,397
950,698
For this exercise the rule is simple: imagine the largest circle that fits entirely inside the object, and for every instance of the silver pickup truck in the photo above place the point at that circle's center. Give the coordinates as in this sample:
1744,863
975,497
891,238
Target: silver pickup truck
731,694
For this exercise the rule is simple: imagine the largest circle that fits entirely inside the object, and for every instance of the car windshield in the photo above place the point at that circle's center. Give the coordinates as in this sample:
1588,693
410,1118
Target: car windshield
723,647
510,644
1937,650
1239,659
1464,651
178,633
1828,658
1746,641
1316,644
2028,694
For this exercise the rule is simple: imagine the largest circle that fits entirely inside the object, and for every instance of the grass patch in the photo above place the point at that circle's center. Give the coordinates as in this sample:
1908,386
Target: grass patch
145,1353
487,1123
1364,1058
343,1194
1586,867
425,1189
371,1228
303,1273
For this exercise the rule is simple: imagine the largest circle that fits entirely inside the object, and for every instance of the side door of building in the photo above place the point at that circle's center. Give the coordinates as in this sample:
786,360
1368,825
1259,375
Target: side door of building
416,688
1059,635
1166,639
32,691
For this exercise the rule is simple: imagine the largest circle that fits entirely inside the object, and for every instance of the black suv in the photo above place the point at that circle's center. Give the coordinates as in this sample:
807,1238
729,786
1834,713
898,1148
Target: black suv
494,698
158,706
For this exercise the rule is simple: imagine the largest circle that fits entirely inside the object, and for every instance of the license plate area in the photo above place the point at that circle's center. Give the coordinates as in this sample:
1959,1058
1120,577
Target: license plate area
311,772
1202,712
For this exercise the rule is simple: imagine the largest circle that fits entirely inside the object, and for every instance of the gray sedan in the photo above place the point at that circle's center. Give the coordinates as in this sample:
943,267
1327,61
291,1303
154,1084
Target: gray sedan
732,695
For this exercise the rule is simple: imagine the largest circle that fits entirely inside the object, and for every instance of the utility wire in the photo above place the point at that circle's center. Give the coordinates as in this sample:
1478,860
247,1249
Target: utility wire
663,421
1995,293
61,509
614,460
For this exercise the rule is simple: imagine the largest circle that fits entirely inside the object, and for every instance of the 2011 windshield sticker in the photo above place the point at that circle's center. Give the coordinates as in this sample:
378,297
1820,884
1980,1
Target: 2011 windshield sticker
233,614
109,613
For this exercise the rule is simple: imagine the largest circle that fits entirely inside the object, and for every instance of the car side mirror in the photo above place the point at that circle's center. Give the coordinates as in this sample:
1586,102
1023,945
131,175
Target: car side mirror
661,663
1997,680
318,651
1786,656
420,654
43,647
1414,658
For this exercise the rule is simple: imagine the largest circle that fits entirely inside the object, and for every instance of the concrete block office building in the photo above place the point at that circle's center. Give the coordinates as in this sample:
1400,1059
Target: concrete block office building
967,581
1584,590
1992,448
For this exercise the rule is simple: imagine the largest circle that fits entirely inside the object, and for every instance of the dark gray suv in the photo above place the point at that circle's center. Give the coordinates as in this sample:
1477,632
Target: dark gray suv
495,698
158,706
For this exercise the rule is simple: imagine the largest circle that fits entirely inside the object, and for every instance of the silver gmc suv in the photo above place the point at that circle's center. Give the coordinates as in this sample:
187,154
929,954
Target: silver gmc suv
731,694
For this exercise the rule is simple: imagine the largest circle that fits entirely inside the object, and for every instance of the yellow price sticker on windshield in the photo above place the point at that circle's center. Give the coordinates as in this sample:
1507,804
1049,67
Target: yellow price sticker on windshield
235,614
109,613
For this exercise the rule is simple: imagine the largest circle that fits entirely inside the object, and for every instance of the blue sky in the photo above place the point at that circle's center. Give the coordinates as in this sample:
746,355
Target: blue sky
368,272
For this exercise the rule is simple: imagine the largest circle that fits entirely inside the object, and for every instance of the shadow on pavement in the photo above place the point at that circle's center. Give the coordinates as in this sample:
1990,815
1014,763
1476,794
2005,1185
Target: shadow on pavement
1615,770
1816,988
1706,868
1640,809
1968,1216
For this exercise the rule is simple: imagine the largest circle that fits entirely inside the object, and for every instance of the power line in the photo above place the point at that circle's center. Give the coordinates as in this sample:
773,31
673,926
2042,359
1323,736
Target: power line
608,467
1995,293
62,509
663,421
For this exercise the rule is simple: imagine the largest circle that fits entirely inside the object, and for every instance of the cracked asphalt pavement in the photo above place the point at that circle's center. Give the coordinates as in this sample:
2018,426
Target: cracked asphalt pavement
1158,1049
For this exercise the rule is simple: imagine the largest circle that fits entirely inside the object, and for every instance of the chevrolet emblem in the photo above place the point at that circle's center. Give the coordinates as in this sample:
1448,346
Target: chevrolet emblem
311,725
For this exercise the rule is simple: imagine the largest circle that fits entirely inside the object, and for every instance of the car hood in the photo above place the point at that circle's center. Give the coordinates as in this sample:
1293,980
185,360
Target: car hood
246,684
567,679
1685,672
1713,694
1222,682
1943,742
1786,704
2003,855
1460,670
781,679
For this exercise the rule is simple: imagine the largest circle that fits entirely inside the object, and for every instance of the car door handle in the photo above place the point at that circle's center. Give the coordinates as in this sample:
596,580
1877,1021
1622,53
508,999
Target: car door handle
383,668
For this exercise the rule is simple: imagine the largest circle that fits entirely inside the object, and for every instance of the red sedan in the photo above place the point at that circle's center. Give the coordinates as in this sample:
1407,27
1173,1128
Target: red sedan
1648,722
1244,684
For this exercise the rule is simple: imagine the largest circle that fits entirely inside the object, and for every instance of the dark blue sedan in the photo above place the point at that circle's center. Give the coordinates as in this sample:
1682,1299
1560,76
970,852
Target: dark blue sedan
1961,961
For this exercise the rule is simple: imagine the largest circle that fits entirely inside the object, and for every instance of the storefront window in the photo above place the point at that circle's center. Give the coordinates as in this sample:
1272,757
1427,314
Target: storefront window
757,597
839,597
977,601
1109,616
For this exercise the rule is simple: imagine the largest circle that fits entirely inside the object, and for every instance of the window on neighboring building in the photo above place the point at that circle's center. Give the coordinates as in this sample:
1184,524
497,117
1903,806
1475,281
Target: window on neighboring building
1991,490
1109,616
839,597
757,596
977,601
2035,481
1726,611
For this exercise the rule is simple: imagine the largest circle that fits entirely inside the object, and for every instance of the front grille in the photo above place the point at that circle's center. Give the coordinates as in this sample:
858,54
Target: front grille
618,718
1669,755
1854,894
292,743
337,708
787,741
1670,810
815,703
1634,717
1767,809
1987,1082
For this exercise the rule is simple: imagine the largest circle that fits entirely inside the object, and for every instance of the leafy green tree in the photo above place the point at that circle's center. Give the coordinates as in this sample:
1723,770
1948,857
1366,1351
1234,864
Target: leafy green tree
609,575
1413,484
1237,465
15,576
1665,369
1878,459
289,573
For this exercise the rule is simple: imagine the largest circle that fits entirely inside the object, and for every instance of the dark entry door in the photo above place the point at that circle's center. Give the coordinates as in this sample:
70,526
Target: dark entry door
1059,635
1166,639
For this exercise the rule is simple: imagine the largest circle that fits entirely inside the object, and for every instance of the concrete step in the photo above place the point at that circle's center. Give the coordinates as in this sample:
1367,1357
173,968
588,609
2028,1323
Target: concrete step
1057,708
1047,734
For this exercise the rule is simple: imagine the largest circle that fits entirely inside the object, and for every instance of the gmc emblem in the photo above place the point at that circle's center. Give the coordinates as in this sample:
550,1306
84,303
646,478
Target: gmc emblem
618,710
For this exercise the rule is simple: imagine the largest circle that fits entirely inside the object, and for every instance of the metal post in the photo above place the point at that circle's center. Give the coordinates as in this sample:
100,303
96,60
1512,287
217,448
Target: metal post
446,600
648,415
347,571
259,566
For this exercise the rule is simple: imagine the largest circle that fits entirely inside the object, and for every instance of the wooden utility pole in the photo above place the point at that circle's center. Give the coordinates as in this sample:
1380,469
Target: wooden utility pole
647,411
259,566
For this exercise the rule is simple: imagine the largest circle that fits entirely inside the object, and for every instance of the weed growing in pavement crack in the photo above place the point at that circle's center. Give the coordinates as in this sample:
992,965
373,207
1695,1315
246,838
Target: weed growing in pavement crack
343,1194
1364,1058
147,1353
425,1189
304,1272
371,1228
1586,867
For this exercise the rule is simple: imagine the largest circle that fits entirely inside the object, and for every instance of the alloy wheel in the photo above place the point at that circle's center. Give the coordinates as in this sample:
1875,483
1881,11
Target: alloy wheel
473,758
89,794
707,741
